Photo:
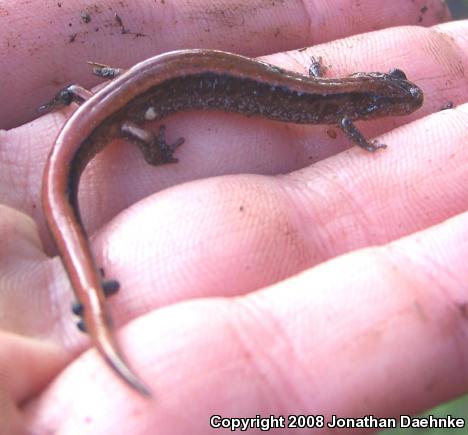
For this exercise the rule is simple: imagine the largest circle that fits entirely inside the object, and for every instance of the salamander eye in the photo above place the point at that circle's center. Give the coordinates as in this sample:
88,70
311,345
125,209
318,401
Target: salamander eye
397,74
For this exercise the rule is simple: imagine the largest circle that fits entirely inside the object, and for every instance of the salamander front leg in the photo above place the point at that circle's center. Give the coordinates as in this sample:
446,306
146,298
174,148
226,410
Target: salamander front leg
105,71
78,94
154,148
317,70
353,134
66,96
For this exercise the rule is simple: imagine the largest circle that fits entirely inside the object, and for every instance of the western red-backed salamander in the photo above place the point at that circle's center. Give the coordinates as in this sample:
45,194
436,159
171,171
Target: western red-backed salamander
176,81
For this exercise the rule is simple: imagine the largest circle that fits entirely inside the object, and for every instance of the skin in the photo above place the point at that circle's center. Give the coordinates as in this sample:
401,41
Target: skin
253,345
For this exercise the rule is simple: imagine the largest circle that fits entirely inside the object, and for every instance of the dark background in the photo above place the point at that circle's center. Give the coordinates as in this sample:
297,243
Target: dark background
459,8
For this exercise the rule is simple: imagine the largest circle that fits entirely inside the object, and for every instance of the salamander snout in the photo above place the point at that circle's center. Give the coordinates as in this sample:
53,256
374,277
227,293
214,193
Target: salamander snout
413,94
397,74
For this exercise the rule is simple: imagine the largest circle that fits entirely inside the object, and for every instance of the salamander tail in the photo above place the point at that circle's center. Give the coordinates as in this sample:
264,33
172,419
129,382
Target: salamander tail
109,351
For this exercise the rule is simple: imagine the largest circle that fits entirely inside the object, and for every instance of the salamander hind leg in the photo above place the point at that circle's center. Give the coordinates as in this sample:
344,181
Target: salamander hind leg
78,310
154,148
110,286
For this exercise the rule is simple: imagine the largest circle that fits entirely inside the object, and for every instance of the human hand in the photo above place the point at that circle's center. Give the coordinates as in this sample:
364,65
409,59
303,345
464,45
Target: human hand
303,344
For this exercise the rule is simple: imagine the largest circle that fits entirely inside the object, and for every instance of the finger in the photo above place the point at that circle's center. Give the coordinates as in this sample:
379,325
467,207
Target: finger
27,366
238,144
380,331
31,286
28,298
37,67
35,301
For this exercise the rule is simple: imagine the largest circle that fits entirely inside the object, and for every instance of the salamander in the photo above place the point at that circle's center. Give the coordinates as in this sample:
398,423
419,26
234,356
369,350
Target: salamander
176,81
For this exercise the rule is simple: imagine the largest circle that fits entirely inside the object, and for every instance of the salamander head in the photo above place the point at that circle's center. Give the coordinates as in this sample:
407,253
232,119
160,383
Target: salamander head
391,94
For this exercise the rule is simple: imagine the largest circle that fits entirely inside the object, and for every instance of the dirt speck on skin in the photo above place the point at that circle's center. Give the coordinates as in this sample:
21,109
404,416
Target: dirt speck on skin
233,14
447,105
